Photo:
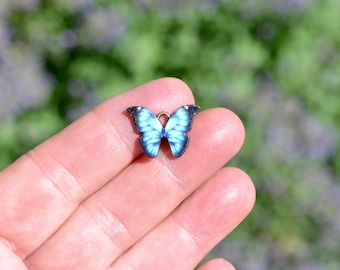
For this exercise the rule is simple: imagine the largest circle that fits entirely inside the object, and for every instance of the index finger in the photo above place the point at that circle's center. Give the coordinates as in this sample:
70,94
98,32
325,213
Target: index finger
42,188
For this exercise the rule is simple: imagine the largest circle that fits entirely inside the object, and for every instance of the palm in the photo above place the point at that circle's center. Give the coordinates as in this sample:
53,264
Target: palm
88,199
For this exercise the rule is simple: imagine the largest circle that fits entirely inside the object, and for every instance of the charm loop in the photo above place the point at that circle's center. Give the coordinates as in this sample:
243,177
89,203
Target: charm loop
162,113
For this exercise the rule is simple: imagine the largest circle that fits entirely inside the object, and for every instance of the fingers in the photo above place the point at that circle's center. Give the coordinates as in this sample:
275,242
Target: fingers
41,189
8,259
197,225
141,196
217,264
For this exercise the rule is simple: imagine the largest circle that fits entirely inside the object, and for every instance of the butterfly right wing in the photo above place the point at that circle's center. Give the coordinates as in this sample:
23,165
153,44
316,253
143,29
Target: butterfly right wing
179,123
147,123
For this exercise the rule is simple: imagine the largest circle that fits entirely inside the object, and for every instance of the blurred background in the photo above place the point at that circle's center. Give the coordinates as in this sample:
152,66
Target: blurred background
275,63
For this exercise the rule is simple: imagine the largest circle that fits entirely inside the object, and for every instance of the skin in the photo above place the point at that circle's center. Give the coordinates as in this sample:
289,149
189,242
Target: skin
89,198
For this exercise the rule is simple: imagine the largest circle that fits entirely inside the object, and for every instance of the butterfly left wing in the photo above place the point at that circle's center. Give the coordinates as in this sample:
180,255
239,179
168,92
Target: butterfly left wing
147,123
179,123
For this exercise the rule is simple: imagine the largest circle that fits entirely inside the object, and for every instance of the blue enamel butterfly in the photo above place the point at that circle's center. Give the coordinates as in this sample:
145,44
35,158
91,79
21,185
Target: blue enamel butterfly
153,131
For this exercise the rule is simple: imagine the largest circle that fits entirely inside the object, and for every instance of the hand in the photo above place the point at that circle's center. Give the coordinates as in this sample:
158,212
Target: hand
88,198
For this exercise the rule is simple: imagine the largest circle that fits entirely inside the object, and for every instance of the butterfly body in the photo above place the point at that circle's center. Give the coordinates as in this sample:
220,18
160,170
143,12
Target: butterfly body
153,131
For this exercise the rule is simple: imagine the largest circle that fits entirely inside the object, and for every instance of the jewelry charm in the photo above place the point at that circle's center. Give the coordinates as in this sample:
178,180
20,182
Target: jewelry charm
153,131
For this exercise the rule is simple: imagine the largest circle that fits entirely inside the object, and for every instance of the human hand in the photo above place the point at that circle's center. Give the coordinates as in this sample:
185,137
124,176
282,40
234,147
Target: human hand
88,198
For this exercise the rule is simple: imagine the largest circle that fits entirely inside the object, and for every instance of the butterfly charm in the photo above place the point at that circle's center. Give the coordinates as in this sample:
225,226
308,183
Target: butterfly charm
153,131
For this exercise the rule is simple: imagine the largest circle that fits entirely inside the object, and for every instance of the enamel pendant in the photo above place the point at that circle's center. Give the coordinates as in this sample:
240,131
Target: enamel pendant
153,131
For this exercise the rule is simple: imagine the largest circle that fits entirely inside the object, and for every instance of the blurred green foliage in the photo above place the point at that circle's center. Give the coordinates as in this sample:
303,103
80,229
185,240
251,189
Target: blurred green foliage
275,63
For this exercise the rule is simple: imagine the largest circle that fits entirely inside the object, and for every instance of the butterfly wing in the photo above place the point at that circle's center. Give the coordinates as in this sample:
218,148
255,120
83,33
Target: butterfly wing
147,123
179,123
